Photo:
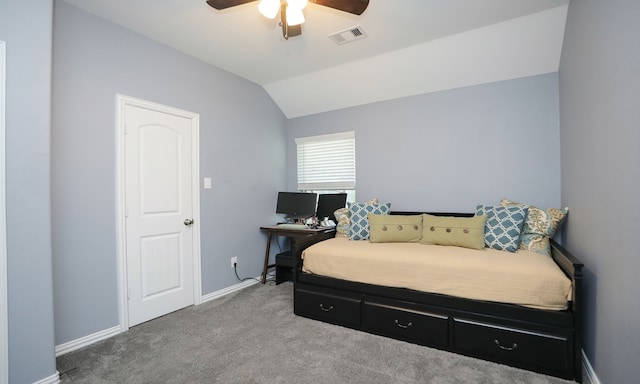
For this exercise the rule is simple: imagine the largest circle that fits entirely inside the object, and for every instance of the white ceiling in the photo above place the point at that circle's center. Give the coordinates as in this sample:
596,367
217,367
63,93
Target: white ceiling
412,47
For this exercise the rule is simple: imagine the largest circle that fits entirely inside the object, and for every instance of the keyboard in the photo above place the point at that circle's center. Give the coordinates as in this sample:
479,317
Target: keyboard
292,226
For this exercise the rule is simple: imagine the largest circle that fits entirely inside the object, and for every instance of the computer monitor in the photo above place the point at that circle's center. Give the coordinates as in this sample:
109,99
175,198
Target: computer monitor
296,205
328,203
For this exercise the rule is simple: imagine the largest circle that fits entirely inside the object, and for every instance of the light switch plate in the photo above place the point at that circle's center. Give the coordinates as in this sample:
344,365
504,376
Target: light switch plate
207,183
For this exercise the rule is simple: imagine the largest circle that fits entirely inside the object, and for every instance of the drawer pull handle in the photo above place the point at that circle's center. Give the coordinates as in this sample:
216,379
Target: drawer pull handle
326,309
403,325
511,348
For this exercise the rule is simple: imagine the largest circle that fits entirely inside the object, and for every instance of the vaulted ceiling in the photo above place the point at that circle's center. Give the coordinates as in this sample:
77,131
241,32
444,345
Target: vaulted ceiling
411,46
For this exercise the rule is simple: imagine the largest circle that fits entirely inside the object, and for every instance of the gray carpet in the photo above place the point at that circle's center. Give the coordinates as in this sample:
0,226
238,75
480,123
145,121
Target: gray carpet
252,336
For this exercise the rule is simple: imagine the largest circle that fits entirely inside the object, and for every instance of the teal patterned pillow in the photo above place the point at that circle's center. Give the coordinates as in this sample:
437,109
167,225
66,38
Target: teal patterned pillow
343,220
503,227
359,227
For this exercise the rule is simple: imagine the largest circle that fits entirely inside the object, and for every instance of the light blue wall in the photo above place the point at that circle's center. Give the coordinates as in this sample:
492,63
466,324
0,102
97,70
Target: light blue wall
450,150
28,106
600,136
241,149
598,82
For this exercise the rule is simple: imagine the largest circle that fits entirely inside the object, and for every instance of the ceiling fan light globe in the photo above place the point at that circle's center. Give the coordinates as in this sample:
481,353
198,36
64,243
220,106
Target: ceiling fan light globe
294,16
297,4
269,8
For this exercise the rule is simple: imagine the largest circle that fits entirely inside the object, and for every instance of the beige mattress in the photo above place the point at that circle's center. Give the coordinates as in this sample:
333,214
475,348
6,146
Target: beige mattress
524,278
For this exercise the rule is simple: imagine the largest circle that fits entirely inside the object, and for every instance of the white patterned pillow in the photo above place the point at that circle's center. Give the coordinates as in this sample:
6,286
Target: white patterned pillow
503,226
359,225
342,222
539,227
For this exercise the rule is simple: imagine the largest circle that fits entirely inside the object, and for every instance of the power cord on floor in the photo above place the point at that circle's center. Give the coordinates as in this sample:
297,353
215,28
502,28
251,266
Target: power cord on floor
270,278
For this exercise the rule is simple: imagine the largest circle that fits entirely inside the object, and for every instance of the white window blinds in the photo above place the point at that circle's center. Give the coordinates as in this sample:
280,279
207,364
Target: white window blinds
327,162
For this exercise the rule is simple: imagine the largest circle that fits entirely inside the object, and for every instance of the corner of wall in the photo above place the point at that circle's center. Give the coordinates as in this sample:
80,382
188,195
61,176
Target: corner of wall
588,374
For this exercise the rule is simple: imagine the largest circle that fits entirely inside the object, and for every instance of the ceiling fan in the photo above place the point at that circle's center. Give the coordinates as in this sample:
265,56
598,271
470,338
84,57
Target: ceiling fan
291,17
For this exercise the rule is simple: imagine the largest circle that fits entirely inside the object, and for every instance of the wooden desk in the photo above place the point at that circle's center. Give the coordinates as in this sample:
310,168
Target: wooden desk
292,234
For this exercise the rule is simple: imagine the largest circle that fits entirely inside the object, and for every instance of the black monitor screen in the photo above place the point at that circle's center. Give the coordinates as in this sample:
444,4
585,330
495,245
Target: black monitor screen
296,205
328,203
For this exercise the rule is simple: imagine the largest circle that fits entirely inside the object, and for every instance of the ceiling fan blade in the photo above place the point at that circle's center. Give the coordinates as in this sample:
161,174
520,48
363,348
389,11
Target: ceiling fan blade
223,4
352,6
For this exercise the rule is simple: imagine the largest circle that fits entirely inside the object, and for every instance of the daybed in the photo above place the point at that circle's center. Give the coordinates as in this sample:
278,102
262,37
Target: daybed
530,335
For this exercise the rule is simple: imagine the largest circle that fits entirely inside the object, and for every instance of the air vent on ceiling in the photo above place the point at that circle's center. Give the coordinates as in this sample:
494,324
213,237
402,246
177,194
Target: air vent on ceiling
348,35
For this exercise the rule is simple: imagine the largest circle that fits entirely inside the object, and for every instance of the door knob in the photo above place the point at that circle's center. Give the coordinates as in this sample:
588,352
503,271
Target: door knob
188,221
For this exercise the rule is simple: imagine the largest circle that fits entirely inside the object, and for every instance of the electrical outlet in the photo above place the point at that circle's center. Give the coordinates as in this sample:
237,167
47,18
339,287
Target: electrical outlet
234,261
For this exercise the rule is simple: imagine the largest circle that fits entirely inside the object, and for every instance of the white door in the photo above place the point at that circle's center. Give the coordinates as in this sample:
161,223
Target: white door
159,213
4,336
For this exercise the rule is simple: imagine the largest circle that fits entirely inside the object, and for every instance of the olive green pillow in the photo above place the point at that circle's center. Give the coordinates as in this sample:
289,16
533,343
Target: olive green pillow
467,232
395,228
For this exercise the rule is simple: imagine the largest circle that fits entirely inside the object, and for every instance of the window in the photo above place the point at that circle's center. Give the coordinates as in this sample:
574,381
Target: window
327,163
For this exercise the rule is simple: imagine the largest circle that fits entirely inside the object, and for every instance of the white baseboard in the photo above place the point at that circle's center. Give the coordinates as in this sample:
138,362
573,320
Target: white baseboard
53,379
87,340
228,290
107,333
588,374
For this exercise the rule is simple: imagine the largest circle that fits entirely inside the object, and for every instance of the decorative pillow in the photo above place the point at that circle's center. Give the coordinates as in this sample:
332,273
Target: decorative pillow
359,224
343,219
342,222
503,227
539,226
467,232
395,228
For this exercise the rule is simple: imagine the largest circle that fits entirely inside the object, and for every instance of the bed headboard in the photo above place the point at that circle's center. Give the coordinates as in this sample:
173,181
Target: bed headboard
454,214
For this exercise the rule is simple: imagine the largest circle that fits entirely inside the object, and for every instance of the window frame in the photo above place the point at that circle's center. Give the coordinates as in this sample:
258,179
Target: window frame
342,161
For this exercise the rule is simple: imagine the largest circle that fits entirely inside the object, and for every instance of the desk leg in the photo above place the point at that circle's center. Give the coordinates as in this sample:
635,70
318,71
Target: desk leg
266,259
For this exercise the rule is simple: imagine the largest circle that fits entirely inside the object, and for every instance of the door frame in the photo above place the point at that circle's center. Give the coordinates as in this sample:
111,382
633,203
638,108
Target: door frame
123,101
4,312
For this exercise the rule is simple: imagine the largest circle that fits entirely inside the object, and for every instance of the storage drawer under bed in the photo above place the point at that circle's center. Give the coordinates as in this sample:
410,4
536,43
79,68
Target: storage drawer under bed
328,307
530,350
414,325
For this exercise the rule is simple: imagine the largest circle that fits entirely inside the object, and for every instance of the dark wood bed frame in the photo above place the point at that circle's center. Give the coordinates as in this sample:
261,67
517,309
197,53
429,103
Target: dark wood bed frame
543,341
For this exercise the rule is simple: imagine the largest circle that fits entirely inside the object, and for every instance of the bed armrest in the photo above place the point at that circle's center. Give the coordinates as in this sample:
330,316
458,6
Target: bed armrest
570,265
303,243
